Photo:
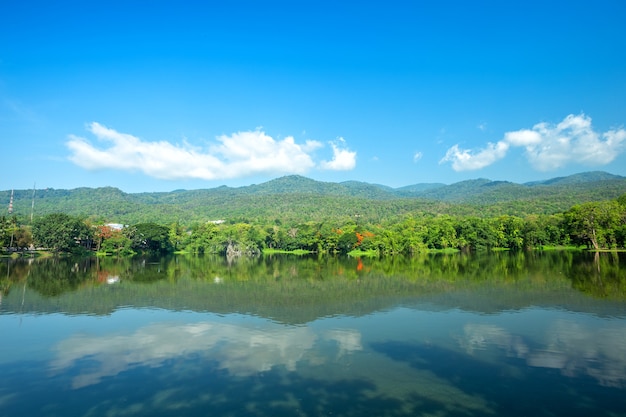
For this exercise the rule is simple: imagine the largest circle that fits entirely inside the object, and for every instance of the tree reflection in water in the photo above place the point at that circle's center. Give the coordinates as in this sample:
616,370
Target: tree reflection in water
446,335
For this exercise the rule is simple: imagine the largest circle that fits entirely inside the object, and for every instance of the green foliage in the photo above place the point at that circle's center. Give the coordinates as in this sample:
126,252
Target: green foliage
61,233
298,200
176,235
149,237
23,237
7,228
339,218
595,224
117,244
510,231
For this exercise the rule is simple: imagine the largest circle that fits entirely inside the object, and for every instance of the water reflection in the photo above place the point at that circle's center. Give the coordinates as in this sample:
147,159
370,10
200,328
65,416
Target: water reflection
572,348
297,290
240,349
440,336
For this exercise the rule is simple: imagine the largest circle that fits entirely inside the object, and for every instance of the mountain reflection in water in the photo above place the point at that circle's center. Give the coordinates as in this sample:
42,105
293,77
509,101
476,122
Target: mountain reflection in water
506,334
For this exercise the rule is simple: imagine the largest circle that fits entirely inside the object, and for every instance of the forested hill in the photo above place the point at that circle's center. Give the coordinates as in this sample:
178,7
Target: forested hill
299,198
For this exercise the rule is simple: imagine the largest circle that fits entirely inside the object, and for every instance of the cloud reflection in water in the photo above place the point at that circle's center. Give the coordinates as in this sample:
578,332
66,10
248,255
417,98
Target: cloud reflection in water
568,346
242,350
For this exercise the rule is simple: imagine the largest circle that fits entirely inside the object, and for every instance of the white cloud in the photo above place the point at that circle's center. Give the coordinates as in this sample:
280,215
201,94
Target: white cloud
237,155
465,160
343,158
574,140
547,146
417,156
523,137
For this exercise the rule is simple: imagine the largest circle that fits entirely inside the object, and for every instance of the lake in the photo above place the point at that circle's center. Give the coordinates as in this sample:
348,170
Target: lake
498,334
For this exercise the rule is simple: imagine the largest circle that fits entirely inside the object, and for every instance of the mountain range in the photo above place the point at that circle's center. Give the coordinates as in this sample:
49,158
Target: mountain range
296,197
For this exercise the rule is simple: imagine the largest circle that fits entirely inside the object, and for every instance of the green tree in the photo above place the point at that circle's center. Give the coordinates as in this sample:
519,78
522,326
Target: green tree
273,236
149,237
510,230
387,242
61,233
8,228
441,233
116,243
242,238
23,237
475,233
595,224
203,239
347,241
329,236
176,235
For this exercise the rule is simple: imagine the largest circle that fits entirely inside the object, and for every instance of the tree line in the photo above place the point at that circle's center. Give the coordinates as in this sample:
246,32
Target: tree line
595,225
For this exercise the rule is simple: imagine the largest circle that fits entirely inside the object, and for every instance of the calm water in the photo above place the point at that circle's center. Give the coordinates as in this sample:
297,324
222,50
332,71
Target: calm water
540,334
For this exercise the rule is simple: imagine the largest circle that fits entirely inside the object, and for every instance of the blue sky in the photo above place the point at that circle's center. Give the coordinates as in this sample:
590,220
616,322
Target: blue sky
157,96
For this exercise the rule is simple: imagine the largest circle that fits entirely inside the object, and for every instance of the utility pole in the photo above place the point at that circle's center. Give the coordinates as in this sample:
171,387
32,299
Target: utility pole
32,207
13,226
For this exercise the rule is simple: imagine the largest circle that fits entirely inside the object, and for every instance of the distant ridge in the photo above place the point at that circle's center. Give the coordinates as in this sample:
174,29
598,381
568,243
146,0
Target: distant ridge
578,178
298,198
419,188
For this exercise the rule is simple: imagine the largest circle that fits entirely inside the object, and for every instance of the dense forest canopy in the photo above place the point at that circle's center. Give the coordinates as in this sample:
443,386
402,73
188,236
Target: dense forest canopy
297,213
300,199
